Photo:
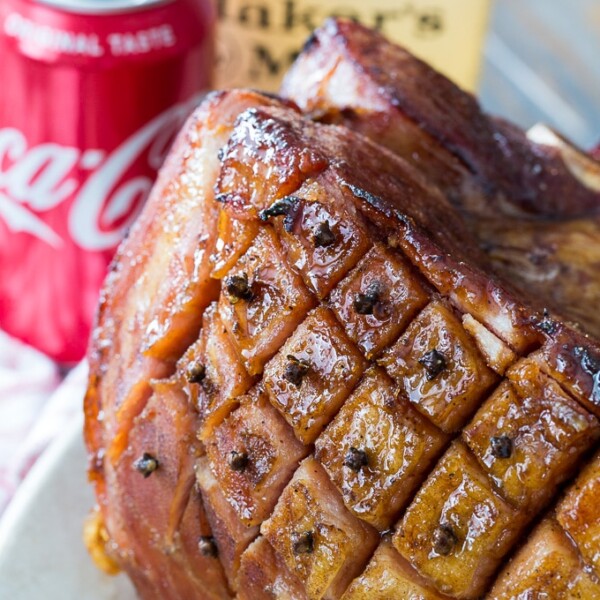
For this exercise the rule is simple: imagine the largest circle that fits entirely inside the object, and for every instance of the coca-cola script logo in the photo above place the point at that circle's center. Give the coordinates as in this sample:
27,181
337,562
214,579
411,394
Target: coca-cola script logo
35,180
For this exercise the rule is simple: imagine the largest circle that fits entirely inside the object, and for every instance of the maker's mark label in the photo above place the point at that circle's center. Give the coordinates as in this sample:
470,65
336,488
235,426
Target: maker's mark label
259,39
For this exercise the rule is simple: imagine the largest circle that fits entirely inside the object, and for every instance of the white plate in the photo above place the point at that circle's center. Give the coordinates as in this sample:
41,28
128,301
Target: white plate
42,555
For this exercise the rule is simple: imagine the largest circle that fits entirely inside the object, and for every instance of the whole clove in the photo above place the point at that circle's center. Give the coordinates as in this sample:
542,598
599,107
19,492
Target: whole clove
283,207
238,461
195,372
208,546
364,304
295,370
356,459
323,237
237,287
501,446
434,363
303,543
444,539
547,324
146,465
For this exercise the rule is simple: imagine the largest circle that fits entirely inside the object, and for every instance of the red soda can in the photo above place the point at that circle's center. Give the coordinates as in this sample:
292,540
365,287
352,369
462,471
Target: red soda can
92,93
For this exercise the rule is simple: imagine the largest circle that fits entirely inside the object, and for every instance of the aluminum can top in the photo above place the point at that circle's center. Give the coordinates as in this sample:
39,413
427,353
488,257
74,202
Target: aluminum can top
102,7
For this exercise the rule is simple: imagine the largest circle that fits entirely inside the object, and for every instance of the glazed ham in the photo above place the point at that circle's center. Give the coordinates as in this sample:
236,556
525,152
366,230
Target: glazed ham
307,381
531,200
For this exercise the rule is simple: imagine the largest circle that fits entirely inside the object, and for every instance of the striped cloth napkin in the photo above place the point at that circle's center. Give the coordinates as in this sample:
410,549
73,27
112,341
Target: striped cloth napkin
35,405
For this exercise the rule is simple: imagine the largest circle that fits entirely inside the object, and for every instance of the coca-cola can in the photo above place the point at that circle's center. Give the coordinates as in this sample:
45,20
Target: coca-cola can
92,93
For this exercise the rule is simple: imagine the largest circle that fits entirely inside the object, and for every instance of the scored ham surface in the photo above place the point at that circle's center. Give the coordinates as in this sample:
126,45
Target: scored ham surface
532,200
307,382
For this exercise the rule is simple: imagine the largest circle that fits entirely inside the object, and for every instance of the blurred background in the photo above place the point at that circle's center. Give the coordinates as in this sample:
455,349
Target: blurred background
541,62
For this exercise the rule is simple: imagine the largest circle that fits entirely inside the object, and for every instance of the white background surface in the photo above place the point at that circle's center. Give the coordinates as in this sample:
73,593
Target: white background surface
42,555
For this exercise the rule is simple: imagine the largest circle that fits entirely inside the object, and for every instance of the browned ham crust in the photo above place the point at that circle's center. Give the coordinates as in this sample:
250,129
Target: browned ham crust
306,382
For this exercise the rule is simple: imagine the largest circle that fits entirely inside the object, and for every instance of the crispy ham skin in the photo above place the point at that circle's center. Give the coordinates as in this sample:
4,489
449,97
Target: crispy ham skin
561,554
150,311
306,381
532,201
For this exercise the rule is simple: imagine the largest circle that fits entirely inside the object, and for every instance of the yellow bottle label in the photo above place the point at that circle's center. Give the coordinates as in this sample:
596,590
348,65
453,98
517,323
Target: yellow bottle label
259,39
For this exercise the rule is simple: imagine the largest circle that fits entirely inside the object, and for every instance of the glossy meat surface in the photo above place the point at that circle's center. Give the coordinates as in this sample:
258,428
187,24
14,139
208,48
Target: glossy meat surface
378,300
547,567
579,514
264,575
529,436
151,307
457,528
320,541
439,367
377,427
256,431
532,201
348,401
560,558
313,374
388,576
